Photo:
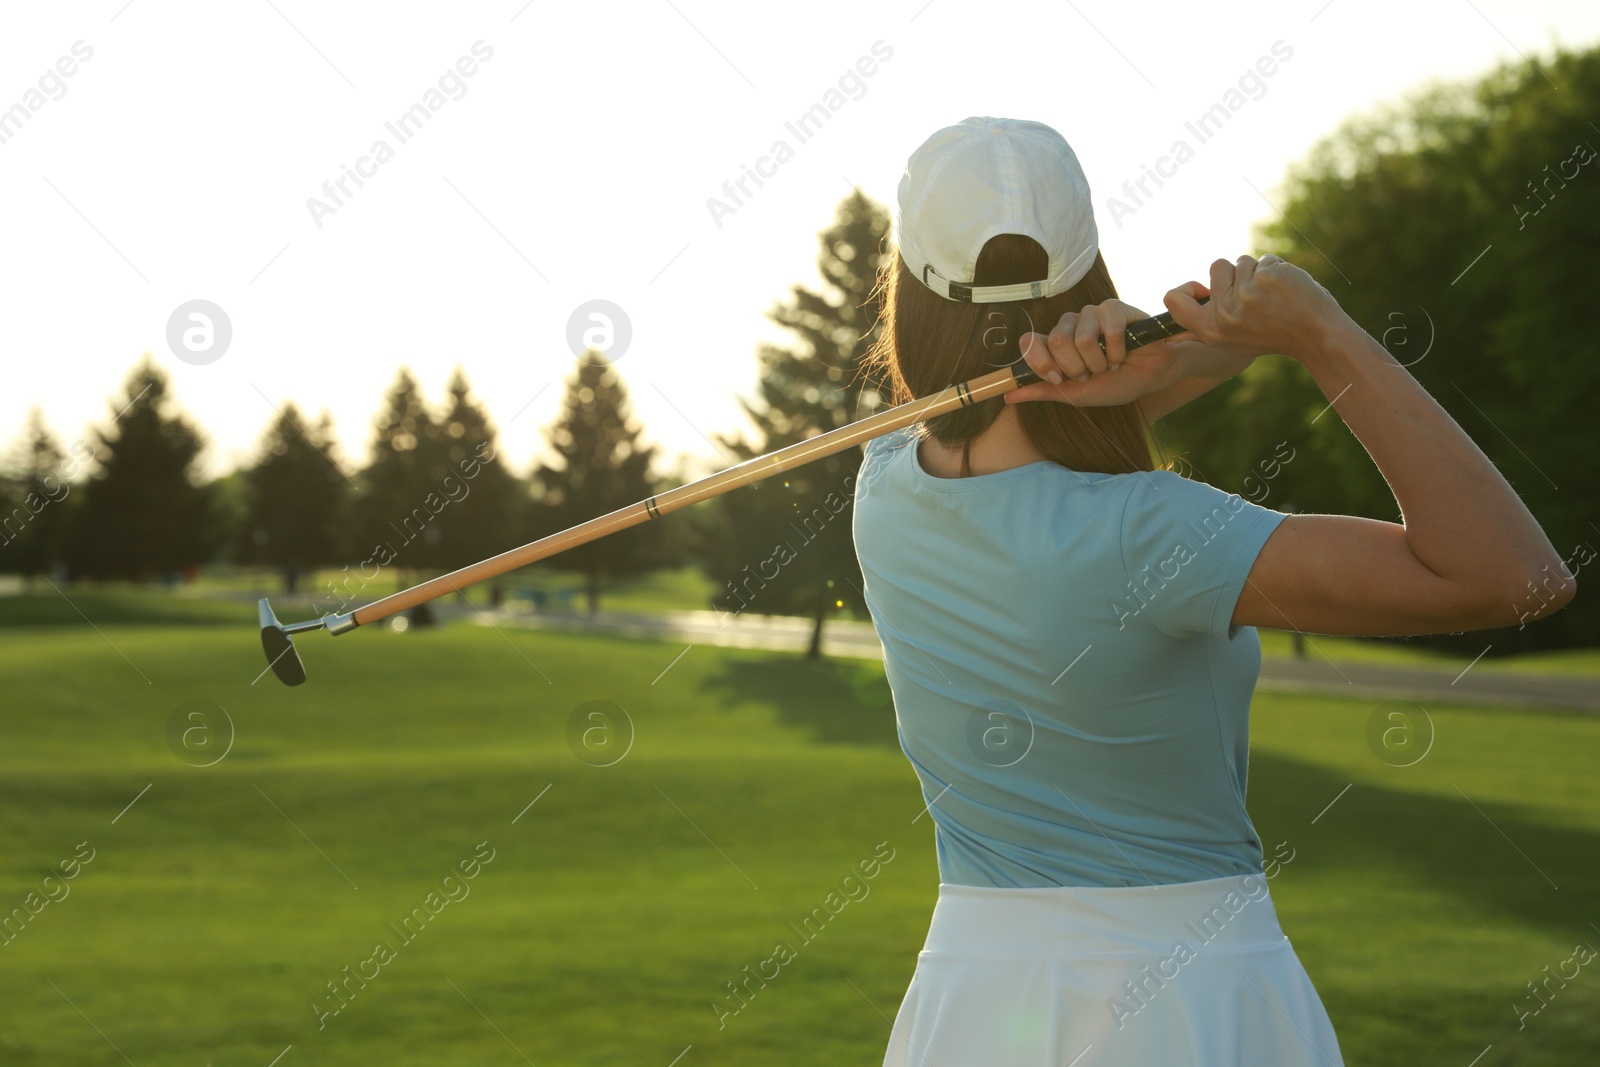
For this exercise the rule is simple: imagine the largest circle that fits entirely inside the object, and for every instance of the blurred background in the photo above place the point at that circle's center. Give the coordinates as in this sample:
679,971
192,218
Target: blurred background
319,303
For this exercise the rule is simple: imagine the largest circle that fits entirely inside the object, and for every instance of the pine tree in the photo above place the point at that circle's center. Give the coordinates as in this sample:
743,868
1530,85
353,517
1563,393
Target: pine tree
603,467
296,496
786,546
145,513
33,520
486,509
403,485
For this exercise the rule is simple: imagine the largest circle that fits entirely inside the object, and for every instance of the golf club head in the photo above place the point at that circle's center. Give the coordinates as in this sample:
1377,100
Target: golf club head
280,650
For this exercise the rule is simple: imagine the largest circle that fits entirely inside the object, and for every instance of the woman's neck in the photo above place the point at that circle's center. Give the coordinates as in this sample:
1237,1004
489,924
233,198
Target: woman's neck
1002,446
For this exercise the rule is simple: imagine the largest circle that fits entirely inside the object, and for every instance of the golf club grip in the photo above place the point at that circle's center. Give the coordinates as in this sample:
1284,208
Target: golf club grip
1152,329
984,387
1137,334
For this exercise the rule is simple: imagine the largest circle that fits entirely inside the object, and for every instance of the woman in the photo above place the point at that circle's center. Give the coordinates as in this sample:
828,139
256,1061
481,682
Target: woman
1069,631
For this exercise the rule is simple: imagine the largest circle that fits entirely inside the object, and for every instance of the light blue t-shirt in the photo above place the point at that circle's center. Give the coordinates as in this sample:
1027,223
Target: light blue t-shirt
1067,682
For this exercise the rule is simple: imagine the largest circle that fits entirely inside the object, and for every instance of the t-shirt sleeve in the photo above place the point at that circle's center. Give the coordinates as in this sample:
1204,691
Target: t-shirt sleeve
1187,548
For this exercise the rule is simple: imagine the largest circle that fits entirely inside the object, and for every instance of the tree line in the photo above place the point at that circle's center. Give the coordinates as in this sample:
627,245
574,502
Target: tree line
128,503
1456,227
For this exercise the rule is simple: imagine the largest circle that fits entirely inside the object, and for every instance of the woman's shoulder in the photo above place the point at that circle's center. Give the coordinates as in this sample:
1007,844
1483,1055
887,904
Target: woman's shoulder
1169,486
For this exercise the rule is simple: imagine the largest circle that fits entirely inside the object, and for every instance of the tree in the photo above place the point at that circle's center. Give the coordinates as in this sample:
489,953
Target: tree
487,502
603,466
1456,228
33,520
403,485
13,519
785,545
296,497
145,513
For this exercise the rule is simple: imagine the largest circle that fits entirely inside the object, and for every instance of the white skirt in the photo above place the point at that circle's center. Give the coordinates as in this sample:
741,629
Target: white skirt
1196,974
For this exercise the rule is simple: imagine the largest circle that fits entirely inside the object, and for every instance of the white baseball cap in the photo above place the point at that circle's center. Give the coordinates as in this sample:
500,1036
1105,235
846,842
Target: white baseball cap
988,176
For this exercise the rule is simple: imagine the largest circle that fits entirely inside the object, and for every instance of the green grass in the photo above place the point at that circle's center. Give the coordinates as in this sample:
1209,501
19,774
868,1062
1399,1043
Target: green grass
77,606
674,589
1278,644
606,923
669,590
1583,662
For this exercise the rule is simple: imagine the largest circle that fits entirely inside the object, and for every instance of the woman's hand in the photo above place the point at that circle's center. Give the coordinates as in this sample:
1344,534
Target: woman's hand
1076,371
1258,306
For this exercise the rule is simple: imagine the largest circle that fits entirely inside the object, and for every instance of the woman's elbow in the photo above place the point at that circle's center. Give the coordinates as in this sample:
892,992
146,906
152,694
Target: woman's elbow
1541,593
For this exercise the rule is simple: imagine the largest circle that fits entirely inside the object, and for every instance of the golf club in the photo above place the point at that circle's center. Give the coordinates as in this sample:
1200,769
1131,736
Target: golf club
277,637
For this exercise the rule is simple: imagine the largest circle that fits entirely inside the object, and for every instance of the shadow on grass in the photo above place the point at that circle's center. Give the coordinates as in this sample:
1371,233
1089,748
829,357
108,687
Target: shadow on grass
1508,869
839,701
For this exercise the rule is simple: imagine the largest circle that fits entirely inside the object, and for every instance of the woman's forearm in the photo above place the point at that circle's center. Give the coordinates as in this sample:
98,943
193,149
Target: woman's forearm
1205,361
1205,369
1156,405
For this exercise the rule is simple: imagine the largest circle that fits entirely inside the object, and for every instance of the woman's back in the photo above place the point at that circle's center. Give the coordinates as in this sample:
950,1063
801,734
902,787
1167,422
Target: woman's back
1067,682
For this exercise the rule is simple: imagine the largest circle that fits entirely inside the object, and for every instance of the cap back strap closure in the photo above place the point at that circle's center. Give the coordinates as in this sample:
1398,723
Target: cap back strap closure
980,294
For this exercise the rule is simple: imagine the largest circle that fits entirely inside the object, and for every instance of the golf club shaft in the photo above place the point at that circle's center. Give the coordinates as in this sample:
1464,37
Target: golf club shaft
984,387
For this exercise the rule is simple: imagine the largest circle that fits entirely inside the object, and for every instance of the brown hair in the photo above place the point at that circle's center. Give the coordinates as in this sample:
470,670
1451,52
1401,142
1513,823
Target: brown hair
928,343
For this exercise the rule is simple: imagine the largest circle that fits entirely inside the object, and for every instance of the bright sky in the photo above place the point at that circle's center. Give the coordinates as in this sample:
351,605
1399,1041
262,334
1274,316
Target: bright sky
575,162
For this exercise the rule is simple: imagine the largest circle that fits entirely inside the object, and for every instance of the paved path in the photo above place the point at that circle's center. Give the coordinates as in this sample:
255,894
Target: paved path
1477,685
